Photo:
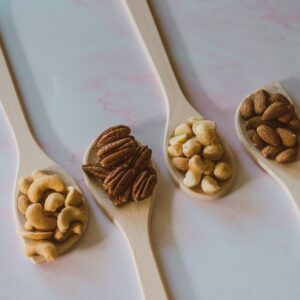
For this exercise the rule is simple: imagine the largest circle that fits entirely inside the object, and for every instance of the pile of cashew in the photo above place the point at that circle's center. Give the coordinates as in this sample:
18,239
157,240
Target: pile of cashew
53,212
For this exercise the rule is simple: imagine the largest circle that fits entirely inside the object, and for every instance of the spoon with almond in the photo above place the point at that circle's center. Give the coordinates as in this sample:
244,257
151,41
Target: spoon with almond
267,123
179,111
31,158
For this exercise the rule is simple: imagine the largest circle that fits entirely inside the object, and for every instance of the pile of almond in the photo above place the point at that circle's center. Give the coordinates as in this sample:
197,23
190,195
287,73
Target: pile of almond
196,149
272,125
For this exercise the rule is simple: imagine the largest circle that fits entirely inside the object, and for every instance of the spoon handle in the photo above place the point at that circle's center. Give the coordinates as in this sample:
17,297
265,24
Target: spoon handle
143,19
11,104
149,276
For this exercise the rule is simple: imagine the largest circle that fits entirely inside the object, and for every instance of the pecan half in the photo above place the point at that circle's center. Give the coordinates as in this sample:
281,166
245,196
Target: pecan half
144,184
141,159
118,180
116,153
112,134
96,170
123,198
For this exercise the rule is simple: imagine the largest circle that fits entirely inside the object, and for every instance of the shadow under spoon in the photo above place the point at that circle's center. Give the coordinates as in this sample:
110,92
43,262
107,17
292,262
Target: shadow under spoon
30,156
286,175
178,107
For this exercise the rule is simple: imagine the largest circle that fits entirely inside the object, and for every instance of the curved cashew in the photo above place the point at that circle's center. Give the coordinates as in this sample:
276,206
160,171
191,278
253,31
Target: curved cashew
54,201
23,203
69,215
74,197
28,226
75,228
36,235
41,184
37,174
24,184
43,248
37,217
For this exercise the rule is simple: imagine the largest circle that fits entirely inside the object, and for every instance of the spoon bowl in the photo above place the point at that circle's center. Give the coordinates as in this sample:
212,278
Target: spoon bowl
30,155
286,175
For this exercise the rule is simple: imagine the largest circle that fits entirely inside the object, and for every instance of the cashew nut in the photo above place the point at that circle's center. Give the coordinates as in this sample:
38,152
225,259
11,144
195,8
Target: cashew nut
28,226
24,184
54,201
74,197
37,217
23,203
36,235
43,248
37,174
75,228
41,184
69,215
183,129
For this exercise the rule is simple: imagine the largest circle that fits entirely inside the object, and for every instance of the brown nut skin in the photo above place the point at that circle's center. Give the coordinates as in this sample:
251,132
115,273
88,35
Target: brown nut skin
268,135
287,156
288,137
247,108
294,124
271,151
260,101
285,118
274,111
112,134
256,140
277,97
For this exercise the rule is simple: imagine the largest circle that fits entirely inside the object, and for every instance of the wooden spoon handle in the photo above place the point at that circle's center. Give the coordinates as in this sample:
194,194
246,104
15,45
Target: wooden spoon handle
13,110
149,276
143,19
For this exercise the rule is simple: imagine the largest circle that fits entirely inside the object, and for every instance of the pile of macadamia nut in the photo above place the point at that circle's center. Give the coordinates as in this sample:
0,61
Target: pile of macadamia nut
197,150
53,213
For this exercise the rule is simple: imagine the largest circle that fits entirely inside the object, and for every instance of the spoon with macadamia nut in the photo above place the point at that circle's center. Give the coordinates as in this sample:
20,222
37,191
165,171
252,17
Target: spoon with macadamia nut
267,124
50,211
198,159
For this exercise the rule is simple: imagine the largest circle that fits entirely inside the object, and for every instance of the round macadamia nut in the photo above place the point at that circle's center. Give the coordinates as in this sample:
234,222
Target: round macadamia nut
222,170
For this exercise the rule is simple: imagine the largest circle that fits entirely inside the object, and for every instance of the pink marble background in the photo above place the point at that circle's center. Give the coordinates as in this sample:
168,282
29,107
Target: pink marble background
81,68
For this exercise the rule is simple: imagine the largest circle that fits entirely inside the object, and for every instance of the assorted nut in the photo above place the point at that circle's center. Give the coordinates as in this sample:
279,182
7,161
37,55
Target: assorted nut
196,149
49,208
272,125
124,166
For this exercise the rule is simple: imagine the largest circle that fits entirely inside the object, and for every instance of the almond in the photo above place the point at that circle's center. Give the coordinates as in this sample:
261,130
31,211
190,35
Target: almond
294,124
256,140
254,122
268,135
278,98
260,101
288,115
271,151
288,137
286,156
246,110
275,110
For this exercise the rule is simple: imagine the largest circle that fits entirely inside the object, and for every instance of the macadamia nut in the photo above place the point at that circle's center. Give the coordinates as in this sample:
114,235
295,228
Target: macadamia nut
191,147
181,163
191,179
213,151
183,129
179,139
175,150
205,131
222,170
209,185
194,119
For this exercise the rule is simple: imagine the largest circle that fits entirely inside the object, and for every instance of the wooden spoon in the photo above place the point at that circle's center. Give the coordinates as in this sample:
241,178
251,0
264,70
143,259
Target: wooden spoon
178,108
133,219
286,175
30,156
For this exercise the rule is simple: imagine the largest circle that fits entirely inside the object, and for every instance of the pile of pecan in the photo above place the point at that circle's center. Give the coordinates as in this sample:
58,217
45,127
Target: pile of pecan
123,165
272,125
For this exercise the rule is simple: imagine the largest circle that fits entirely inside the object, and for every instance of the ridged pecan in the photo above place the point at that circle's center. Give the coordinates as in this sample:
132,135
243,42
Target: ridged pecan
112,134
144,184
96,170
141,159
116,153
123,198
118,180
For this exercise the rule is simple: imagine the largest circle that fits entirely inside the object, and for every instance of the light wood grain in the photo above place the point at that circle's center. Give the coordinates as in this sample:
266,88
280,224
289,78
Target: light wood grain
30,155
178,108
133,219
286,175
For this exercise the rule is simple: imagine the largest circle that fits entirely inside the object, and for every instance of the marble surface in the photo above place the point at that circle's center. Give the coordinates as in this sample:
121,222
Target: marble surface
81,68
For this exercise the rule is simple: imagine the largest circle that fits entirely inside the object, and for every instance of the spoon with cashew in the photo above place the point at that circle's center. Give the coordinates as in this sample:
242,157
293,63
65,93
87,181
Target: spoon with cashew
283,165
37,234
178,108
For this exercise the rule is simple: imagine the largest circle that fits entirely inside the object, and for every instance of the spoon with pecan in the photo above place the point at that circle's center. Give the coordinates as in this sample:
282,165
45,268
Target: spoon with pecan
118,170
178,108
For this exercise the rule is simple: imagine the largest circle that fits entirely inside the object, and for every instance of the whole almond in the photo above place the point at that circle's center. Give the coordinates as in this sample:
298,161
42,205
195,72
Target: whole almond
294,124
268,135
254,122
275,110
286,156
246,110
288,137
256,140
277,97
288,115
271,151
260,101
